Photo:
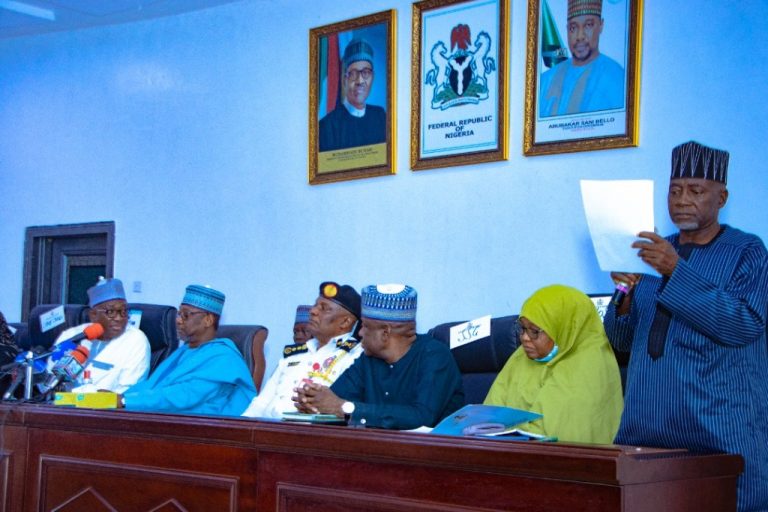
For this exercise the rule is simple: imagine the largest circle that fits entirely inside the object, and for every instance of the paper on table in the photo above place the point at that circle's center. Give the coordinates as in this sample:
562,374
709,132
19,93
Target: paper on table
617,210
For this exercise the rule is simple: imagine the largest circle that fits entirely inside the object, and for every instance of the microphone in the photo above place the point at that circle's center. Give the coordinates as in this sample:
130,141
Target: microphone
18,378
91,332
619,293
22,358
67,369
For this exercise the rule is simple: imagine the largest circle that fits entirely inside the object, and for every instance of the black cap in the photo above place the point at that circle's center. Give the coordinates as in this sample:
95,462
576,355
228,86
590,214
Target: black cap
694,160
343,295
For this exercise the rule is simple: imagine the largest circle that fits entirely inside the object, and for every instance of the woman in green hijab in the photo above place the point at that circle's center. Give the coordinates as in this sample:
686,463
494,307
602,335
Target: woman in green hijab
564,369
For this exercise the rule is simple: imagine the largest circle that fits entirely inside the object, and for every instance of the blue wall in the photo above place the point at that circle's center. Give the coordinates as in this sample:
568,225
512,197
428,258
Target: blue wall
190,133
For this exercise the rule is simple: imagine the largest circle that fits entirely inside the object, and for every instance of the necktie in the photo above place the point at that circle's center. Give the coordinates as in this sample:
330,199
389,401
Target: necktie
657,336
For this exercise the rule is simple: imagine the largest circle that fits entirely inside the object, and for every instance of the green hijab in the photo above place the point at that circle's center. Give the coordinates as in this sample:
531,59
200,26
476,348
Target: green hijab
578,392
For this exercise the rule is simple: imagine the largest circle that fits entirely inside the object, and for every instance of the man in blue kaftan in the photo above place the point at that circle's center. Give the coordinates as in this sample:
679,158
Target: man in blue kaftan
589,81
207,375
698,370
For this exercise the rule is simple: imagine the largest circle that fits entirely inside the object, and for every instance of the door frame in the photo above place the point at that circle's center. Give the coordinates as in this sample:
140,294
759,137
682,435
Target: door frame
45,235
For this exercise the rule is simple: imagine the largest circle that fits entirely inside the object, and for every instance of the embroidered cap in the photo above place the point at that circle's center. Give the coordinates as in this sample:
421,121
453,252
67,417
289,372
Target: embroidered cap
357,49
302,314
104,290
694,160
343,295
204,297
389,303
584,7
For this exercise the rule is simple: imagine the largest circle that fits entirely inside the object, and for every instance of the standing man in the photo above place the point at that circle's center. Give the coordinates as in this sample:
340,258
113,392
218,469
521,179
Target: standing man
354,123
698,371
121,357
322,359
402,381
301,332
589,81
207,375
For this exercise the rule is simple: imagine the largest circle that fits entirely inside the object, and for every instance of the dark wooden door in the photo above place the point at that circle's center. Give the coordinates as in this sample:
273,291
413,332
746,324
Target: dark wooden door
62,262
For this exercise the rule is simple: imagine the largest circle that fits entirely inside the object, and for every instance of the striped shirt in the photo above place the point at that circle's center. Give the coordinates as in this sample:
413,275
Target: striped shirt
709,391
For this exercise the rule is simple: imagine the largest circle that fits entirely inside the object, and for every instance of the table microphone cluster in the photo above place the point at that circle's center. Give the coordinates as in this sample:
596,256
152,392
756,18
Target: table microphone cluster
72,364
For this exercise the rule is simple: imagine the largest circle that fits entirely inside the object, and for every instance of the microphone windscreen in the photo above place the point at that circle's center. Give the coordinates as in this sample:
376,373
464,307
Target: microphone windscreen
80,354
93,331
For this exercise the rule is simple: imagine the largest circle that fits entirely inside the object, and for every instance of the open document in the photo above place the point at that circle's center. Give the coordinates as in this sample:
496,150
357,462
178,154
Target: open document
616,211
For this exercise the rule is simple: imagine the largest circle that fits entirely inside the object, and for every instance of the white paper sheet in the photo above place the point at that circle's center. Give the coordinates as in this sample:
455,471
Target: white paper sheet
616,211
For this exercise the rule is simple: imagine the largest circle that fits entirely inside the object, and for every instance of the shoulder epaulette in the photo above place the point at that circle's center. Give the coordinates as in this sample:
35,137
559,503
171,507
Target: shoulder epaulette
295,348
347,345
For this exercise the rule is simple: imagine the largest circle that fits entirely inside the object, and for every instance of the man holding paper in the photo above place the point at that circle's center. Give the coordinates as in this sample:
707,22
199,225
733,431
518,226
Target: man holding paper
698,372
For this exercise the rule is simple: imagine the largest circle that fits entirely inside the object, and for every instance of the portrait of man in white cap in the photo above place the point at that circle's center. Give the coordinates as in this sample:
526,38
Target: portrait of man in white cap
588,81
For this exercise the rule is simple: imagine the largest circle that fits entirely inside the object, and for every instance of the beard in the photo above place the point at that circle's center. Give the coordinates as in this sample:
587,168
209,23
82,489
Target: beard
688,225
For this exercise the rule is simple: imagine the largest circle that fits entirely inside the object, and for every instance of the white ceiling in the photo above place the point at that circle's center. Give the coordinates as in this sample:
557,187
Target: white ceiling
28,17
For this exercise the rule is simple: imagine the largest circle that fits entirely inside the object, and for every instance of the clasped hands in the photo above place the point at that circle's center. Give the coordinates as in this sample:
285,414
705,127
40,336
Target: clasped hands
313,398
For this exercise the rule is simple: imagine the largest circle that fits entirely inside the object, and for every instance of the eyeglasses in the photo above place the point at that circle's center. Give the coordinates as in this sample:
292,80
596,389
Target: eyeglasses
113,313
533,334
184,315
354,74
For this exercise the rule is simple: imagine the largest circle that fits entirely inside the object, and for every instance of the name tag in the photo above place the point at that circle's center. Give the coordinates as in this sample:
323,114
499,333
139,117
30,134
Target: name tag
468,332
293,363
52,318
134,318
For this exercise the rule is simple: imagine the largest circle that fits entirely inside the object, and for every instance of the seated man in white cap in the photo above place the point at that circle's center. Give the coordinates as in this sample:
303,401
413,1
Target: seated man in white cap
207,375
402,381
120,357
322,359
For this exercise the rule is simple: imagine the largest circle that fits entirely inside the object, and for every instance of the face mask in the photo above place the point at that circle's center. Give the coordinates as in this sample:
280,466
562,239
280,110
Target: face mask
549,356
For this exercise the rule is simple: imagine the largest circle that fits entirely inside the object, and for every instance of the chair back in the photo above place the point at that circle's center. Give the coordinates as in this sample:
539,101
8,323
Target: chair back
74,314
480,360
250,339
158,323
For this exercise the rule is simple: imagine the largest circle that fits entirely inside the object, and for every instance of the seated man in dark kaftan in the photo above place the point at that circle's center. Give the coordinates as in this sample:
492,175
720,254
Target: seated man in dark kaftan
402,380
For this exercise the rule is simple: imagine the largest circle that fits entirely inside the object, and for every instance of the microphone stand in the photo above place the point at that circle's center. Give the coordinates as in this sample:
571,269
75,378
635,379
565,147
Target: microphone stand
29,362
28,366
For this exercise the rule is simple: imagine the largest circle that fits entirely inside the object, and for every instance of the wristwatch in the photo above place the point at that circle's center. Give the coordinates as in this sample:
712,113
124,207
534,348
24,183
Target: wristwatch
348,408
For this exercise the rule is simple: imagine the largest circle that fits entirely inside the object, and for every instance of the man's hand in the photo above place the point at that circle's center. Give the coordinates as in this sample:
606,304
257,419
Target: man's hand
314,398
631,281
657,252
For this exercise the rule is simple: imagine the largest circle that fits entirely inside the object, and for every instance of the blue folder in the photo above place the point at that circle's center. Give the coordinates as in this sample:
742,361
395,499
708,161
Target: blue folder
480,419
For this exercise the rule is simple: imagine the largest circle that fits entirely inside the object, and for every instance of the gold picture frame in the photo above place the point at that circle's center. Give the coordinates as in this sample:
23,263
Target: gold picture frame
459,84
566,108
351,110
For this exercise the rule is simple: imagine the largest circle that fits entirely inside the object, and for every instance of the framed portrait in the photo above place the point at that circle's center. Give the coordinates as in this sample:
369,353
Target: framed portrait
351,100
582,76
459,82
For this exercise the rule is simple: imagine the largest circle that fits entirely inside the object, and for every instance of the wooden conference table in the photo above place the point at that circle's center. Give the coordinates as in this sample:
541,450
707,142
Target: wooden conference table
87,460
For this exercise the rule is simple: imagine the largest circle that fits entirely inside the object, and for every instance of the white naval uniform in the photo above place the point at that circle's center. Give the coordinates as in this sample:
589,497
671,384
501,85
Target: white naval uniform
322,366
114,365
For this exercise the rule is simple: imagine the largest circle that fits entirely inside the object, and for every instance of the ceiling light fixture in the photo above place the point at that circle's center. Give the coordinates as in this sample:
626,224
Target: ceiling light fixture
29,10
